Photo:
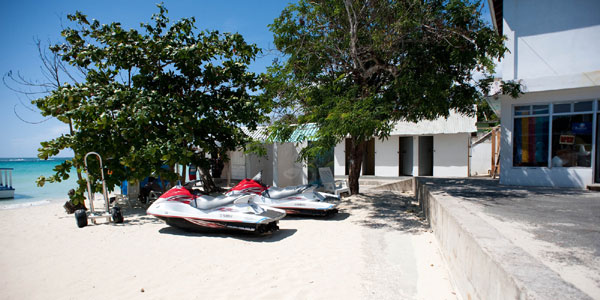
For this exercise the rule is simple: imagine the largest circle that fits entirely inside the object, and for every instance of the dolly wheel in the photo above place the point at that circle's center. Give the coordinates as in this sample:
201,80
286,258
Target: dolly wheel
81,218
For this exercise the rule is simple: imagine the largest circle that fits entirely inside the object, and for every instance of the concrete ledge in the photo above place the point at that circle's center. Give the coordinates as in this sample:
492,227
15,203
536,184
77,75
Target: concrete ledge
405,185
483,263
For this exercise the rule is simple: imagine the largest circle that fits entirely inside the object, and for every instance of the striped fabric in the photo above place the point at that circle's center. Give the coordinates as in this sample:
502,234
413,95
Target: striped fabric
531,141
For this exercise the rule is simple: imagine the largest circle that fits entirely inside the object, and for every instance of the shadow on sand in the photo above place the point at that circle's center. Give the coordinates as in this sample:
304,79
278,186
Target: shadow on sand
271,238
388,210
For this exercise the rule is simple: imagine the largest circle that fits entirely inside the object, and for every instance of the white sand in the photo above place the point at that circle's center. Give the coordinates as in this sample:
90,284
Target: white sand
369,251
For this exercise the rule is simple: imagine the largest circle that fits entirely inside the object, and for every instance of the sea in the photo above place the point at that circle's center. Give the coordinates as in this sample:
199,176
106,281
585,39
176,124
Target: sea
24,175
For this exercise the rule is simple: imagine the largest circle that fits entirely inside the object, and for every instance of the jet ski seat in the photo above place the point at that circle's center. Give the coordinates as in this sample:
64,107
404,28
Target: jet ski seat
278,193
208,202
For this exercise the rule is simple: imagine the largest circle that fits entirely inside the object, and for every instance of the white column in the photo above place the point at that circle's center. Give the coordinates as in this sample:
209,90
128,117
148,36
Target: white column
10,178
275,166
415,171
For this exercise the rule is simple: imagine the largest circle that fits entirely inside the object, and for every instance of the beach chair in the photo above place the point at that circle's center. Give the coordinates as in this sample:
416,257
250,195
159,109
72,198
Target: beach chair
330,184
128,192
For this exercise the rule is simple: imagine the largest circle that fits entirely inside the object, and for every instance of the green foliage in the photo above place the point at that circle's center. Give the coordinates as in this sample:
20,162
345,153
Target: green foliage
355,67
157,96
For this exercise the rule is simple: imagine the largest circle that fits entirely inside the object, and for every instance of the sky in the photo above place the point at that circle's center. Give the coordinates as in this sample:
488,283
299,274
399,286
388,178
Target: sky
23,21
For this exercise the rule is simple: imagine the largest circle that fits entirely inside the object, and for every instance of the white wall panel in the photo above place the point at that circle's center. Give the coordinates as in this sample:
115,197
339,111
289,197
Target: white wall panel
450,155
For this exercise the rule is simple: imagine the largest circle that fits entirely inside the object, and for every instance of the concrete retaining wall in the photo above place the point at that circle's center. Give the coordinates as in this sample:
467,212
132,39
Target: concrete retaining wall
407,185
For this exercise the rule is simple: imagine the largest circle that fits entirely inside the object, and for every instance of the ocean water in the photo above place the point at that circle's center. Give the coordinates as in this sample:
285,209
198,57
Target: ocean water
24,175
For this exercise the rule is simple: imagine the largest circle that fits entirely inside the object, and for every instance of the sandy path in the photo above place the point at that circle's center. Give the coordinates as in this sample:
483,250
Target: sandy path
374,249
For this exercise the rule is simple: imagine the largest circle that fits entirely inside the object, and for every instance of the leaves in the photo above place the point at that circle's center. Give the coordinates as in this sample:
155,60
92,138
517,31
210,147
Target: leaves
355,67
156,96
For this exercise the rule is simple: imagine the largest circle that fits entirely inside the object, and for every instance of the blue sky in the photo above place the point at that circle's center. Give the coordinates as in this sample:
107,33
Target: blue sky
24,20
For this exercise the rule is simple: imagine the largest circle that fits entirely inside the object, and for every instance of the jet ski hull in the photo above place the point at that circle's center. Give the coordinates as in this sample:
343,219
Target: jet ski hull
308,211
203,225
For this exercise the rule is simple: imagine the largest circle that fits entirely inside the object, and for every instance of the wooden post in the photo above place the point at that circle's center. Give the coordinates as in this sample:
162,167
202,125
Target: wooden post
496,151
493,163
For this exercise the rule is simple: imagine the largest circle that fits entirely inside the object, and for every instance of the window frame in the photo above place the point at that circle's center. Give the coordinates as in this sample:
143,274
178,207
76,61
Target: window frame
550,115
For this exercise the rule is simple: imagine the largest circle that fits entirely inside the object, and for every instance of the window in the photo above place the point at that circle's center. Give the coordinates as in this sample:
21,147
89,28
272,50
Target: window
530,147
572,140
571,135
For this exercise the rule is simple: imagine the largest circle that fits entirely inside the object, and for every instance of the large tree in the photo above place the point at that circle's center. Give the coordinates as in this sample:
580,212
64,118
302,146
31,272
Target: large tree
355,67
163,95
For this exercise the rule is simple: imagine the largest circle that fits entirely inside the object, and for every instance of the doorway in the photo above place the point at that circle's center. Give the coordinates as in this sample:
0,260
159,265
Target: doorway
405,156
426,156
369,158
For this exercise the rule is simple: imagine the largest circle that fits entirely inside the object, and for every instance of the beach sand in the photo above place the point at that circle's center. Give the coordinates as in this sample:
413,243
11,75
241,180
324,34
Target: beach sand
375,248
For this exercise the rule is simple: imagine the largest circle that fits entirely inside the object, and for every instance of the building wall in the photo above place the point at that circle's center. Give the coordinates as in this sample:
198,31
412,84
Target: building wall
289,171
386,156
553,45
450,155
554,53
237,161
577,177
481,158
255,164
339,158
455,123
449,158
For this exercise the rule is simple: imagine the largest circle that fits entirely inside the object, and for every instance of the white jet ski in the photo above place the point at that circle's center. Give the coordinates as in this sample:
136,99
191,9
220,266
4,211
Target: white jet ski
295,200
180,208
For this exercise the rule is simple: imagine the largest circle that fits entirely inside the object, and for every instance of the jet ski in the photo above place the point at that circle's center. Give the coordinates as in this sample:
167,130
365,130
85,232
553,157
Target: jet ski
178,207
295,200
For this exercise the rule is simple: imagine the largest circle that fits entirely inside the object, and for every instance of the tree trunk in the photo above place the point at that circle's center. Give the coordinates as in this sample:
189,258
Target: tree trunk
207,181
357,150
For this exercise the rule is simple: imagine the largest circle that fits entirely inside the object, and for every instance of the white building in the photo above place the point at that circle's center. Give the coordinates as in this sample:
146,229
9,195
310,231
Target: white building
549,134
437,148
428,148
279,166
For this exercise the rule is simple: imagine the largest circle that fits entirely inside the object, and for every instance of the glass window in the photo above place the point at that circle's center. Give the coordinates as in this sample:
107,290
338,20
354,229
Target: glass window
530,144
522,110
583,106
540,109
572,140
562,108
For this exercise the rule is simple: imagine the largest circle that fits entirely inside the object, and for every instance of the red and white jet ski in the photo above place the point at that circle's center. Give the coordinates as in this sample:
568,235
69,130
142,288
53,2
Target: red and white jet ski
180,208
295,200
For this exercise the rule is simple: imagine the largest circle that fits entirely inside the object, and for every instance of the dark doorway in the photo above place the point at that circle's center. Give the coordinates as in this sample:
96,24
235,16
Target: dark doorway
426,156
369,158
405,156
